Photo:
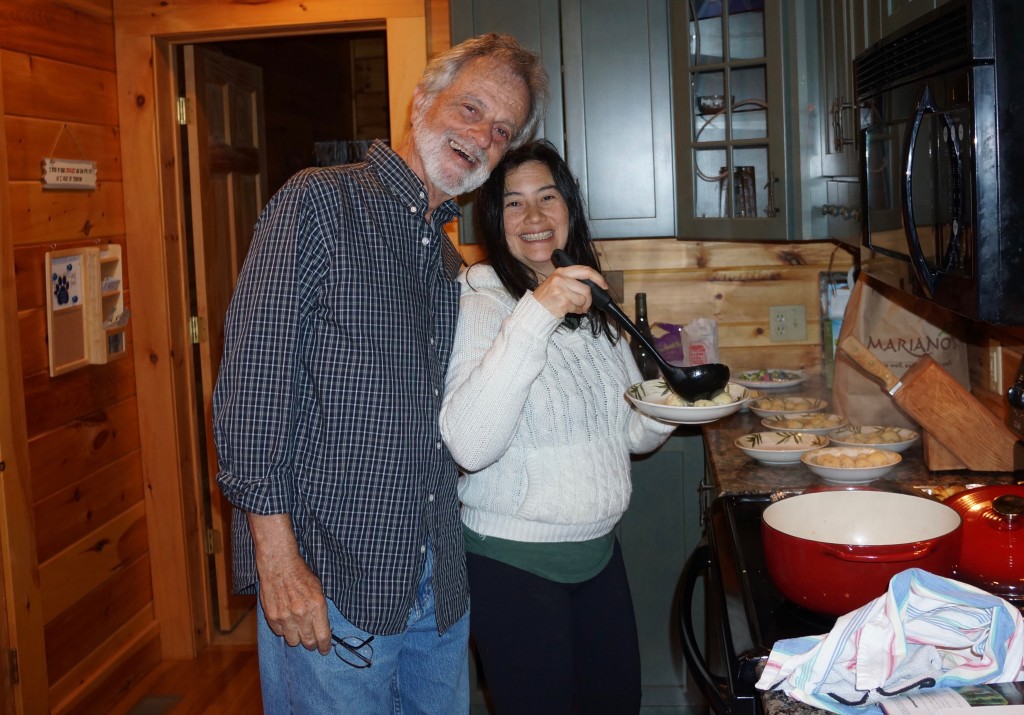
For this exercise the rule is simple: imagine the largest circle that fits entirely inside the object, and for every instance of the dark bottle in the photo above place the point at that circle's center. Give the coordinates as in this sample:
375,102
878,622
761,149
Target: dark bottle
644,361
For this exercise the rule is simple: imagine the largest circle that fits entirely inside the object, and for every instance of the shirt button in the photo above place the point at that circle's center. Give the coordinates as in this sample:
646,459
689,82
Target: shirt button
436,392
421,194
412,209
423,549
425,241
437,445
430,497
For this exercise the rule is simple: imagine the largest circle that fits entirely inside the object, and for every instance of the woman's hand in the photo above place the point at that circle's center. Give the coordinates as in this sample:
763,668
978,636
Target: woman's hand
564,292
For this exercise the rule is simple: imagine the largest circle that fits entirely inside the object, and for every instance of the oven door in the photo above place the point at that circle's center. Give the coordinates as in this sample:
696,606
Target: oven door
725,680
916,168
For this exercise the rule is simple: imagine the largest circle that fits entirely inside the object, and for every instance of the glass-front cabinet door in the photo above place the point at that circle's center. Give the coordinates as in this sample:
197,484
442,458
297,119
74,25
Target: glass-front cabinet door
729,89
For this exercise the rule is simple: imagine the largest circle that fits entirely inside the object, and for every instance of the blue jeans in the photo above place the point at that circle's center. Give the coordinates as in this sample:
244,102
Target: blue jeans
416,671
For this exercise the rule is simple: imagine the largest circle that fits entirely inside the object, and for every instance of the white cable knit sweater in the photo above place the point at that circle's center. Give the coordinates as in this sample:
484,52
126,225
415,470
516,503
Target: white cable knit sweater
538,420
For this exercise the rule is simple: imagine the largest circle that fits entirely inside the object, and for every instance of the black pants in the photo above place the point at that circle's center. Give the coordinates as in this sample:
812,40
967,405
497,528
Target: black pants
555,648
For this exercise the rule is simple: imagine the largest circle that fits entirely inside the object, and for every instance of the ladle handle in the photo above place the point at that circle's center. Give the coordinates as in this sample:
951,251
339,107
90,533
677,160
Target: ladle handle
604,301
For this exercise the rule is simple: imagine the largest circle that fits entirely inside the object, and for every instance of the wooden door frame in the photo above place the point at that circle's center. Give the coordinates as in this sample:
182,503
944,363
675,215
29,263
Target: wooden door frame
146,35
21,617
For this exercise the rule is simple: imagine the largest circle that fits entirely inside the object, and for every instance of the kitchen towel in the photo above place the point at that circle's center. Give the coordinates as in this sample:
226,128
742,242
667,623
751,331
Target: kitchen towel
926,631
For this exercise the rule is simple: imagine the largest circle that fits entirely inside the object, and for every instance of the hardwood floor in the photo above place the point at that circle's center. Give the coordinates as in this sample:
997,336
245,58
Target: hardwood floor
223,680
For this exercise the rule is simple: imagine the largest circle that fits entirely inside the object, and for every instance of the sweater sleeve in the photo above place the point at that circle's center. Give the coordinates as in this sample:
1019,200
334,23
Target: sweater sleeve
496,358
644,433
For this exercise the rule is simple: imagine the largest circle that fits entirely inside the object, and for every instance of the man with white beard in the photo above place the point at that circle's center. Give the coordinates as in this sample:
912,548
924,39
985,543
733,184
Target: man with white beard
337,341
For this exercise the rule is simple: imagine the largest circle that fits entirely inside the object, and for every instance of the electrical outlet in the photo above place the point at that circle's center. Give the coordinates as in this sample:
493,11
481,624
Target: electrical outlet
787,323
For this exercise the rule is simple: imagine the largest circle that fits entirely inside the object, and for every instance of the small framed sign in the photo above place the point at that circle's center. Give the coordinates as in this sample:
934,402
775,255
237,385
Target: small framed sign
73,174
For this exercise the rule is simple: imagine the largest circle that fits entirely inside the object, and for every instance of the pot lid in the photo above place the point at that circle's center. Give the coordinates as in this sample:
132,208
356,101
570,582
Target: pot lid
992,557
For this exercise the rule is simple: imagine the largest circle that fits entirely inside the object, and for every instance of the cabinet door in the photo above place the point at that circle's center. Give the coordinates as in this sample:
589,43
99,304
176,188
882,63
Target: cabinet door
837,155
733,178
536,24
843,210
657,533
847,28
618,114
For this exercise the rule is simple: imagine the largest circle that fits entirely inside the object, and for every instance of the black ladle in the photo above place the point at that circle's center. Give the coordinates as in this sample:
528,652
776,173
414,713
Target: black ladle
690,383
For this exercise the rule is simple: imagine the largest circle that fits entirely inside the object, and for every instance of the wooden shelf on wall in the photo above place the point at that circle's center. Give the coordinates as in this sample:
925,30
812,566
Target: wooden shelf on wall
85,315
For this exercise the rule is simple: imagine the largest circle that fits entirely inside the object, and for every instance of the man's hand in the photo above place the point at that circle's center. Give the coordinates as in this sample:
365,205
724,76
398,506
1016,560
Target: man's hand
292,596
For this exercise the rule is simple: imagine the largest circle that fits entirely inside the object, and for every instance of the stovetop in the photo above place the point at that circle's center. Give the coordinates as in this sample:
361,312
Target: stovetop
735,535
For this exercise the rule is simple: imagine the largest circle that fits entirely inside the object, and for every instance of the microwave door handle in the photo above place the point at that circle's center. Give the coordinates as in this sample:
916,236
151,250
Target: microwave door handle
925,105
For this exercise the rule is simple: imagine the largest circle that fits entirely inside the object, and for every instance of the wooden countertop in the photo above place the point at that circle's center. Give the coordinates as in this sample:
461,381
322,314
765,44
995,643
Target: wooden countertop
734,473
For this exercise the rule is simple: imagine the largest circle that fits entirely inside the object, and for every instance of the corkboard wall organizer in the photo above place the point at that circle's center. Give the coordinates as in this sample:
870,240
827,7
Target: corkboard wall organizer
85,314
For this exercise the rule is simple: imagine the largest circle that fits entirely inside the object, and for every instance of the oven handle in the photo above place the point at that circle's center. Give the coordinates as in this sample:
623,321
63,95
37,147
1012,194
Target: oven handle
714,688
928,278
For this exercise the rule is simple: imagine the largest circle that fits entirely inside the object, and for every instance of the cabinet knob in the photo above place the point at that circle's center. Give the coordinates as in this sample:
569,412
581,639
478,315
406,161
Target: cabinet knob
829,210
845,213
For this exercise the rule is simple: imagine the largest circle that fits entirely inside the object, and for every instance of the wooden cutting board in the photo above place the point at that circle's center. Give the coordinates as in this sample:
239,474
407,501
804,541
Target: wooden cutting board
949,413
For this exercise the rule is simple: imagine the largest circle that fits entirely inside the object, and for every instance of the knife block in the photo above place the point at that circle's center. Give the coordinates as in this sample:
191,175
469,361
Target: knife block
936,457
956,419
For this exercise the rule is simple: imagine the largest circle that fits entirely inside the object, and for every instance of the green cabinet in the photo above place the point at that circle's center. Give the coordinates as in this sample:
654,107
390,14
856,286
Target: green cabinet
657,534
677,121
611,104
846,28
745,89
618,114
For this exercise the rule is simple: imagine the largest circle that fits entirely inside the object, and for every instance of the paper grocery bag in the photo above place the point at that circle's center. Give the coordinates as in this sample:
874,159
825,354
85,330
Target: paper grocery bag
898,329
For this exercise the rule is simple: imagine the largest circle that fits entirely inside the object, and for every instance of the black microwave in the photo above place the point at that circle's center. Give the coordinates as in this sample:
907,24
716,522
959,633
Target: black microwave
942,158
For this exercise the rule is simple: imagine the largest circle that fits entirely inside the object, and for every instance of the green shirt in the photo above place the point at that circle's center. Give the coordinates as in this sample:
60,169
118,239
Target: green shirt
563,562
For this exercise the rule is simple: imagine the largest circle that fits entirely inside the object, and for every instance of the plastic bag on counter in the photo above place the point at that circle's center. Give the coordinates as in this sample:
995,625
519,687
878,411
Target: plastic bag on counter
694,344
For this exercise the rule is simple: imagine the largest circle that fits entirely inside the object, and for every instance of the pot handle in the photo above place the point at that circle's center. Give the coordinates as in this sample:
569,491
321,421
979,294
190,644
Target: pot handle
917,551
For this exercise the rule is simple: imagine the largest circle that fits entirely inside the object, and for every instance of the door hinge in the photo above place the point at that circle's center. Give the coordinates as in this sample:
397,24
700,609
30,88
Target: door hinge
12,664
197,330
214,543
183,110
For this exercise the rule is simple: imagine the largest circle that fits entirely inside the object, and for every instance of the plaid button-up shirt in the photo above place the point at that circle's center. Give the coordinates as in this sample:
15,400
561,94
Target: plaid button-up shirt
326,406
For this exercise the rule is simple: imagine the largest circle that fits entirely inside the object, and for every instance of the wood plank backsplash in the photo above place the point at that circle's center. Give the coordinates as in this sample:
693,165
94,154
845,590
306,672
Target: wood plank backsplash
732,282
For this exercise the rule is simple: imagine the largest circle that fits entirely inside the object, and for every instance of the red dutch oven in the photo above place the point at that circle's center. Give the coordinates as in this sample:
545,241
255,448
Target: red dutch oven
993,549
833,551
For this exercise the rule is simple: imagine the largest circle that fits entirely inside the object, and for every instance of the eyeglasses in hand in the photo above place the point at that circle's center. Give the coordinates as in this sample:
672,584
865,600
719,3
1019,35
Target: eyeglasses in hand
354,650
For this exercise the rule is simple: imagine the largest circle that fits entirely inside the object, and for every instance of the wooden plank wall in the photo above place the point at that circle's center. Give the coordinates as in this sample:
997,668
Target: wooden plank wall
732,282
59,90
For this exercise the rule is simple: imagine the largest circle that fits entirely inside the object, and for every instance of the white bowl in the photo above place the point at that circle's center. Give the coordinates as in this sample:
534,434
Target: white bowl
768,406
895,439
772,378
653,397
882,462
813,422
779,447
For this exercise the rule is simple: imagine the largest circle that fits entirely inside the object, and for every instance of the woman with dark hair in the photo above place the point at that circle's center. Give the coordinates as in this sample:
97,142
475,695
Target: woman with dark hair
534,414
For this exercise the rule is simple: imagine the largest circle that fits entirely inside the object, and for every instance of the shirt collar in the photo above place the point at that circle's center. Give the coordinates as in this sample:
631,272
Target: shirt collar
405,186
